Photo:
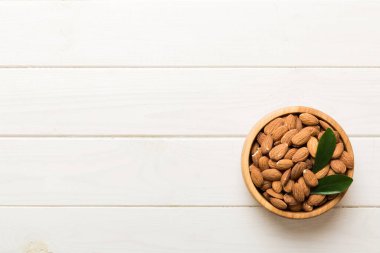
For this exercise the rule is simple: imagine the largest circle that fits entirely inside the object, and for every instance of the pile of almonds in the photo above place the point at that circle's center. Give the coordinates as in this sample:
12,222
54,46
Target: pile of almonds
283,157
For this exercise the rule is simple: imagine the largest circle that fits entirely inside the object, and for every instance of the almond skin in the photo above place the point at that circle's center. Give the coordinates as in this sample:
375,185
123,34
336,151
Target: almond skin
256,156
278,132
331,172
309,163
323,172
284,164
298,124
271,175
338,166
347,159
306,207
290,200
254,148
290,153
314,130
273,124
272,164
315,199
278,203
285,177
289,186
297,170
278,152
296,208
266,144
301,155
339,148
260,138
274,194
266,185
308,119
276,186
324,125
291,121
312,146
256,176
263,163
310,178
301,137
306,189
266,196
287,137
298,193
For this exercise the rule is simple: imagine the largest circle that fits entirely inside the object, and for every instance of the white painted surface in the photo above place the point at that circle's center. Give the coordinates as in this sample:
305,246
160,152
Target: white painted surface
122,122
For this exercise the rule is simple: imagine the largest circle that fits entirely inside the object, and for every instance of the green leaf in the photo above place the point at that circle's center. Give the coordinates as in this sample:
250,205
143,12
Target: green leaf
325,150
332,185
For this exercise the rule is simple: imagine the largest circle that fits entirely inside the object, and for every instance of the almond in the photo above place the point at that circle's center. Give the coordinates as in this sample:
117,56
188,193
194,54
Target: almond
310,178
306,189
274,194
263,163
266,144
271,175
347,159
287,138
331,172
323,172
285,177
278,203
312,146
337,137
297,170
290,153
290,200
314,130
289,186
256,176
309,163
273,124
301,137
338,166
284,164
291,121
272,164
298,193
276,186
306,207
296,208
276,143
339,148
320,134
266,196
308,119
324,125
266,185
278,152
300,155
315,199
256,156
298,124
260,138
278,132
254,148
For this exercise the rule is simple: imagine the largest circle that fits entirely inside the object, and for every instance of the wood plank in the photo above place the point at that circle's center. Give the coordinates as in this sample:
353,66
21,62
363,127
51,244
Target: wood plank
179,101
120,230
190,33
145,171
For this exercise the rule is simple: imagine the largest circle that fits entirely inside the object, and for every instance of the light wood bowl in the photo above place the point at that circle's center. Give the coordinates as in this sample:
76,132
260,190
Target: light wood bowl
245,161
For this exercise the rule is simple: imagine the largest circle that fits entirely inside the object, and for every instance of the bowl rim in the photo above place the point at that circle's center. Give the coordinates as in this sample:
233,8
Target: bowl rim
247,150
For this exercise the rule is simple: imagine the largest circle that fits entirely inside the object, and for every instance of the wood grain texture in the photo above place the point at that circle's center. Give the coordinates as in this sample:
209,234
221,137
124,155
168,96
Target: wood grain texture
120,230
188,33
147,171
179,101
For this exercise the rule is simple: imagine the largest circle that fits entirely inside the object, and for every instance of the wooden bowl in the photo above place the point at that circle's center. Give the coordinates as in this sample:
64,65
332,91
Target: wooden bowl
245,161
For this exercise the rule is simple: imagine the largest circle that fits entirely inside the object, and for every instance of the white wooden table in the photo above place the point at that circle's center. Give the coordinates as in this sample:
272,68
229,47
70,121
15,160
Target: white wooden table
122,122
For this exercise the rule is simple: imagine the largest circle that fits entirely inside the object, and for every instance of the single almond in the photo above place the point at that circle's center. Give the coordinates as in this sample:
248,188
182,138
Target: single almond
271,175
338,166
287,137
256,157
308,119
290,200
339,148
324,125
310,178
290,153
266,196
273,124
291,121
278,152
285,177
274,194
320,134
289,186
284,164
266,144
263,163
309,163
337,136
314,130
306,207
347,159
260,138
255,147
297,170
301,137
276,186
298,192
256,176
331,172
266,185
272,164
315,199
312,146
300,155
323,172
306,189
278,203
296,208
299,124
278,132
